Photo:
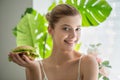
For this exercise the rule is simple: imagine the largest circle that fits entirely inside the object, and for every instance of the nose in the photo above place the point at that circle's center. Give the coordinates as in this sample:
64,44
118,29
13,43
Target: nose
73,34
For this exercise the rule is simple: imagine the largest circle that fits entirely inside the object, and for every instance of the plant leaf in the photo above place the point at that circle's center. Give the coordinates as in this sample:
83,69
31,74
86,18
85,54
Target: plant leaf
93,12
106,64
105,78
52,6
25,31
32,31
77,46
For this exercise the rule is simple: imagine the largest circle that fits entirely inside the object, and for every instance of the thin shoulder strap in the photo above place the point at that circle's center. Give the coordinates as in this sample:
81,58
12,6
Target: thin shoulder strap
42,67
79,67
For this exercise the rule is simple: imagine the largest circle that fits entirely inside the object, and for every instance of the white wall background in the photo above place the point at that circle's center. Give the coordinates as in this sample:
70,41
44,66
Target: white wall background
42,5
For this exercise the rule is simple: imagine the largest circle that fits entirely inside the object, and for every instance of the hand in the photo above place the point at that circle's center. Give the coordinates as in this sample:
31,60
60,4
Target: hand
23,61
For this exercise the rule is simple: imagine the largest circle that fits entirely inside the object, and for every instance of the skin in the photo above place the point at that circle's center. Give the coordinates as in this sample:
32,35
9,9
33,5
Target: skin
63,63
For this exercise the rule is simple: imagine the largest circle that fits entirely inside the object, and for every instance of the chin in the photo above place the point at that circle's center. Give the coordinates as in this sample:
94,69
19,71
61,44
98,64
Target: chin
69,48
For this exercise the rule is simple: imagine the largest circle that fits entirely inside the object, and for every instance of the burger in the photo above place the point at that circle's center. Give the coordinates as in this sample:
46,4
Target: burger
29,51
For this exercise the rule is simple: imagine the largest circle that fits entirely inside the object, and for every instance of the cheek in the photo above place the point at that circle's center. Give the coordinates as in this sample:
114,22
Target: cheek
78,36
57,35
61,36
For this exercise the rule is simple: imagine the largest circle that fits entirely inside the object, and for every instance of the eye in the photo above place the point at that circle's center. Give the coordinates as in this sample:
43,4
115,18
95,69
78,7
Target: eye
78,29
66,28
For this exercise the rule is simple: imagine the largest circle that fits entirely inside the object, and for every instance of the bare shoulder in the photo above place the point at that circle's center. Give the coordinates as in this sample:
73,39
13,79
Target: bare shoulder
89,63
89,67
89,59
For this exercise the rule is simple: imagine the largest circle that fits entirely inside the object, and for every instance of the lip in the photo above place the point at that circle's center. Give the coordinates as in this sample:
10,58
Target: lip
70,42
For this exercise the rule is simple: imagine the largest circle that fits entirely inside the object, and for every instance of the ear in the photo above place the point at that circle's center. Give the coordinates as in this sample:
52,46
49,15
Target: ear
50,30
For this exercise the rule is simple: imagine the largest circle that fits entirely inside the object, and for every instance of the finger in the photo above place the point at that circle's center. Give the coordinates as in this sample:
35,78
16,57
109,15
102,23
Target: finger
30,63
26,59
20,60
17,59
10,54
14,59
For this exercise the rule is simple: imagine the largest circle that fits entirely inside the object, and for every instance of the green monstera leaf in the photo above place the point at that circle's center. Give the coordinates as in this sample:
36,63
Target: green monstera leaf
93,12
25,31
32,31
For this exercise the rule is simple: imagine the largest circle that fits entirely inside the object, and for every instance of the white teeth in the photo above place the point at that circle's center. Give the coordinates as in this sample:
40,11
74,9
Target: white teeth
70,42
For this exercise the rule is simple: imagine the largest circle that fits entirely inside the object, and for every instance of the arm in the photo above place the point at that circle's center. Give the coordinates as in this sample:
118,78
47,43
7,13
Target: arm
28,74
90,68
33,74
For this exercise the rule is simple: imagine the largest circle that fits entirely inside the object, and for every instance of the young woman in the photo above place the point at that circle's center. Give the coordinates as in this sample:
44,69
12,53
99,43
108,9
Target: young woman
64,63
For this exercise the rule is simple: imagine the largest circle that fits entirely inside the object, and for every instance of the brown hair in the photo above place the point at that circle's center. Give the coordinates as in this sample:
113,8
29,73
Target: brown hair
60,11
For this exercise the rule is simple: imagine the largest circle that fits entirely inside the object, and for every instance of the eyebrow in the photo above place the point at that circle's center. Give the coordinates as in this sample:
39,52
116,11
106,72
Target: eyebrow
69,25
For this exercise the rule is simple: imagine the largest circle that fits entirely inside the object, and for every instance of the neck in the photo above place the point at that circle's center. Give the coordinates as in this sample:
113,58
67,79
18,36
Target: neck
61,56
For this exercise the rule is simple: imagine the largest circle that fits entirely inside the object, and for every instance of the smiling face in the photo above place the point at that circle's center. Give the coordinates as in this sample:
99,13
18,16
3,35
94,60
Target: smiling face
66,32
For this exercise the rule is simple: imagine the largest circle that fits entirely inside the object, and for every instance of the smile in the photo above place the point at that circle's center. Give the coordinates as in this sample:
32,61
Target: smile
70,43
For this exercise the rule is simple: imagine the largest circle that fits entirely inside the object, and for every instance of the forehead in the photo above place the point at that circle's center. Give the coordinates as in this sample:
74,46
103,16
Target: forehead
70,20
